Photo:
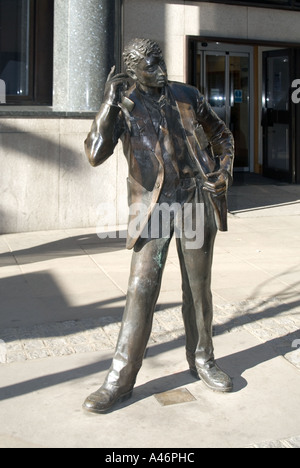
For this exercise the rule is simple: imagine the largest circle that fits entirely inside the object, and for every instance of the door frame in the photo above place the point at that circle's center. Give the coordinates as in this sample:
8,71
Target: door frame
190,77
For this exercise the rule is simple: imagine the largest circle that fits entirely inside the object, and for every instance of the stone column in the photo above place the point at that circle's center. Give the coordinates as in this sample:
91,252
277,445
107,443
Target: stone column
84,32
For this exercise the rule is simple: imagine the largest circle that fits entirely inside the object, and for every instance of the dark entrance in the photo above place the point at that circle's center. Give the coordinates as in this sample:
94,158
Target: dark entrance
279,116
255,88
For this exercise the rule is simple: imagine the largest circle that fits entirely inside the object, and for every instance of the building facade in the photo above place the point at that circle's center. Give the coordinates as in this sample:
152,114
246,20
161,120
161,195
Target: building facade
54,59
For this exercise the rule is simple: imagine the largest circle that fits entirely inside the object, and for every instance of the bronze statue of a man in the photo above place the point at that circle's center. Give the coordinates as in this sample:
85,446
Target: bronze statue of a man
178,152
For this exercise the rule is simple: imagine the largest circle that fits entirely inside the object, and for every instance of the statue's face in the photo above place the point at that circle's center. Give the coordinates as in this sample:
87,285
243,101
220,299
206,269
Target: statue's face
151,72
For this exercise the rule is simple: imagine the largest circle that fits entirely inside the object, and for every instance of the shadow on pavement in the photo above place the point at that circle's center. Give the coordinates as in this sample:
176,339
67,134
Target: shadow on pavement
235,364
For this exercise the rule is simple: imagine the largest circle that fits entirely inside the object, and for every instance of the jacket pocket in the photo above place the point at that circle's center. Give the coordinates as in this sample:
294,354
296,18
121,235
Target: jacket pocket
137,193
201,137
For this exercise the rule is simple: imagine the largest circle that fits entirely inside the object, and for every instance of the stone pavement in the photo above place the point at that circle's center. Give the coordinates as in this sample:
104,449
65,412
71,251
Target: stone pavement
62,294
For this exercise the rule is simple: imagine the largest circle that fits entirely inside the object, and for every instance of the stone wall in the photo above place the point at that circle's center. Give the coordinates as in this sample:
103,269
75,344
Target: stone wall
169,22
46,181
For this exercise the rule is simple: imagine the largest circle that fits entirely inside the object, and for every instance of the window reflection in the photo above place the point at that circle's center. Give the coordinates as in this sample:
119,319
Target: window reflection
14,46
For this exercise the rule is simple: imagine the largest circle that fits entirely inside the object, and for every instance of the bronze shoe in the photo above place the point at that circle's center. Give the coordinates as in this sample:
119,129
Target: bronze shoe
213,377
104,399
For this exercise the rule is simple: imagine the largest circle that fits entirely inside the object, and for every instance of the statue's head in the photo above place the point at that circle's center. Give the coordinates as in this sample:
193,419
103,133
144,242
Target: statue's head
145,64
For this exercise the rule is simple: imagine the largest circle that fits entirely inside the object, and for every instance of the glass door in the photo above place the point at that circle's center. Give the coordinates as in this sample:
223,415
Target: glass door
215,83
277,159
239,107
223,76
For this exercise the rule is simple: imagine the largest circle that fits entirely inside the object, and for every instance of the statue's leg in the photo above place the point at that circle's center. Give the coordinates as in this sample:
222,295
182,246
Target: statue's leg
144,286
196,266
197,306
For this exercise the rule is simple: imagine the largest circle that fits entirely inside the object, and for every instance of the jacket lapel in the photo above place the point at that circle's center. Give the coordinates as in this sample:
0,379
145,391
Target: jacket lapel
141,117
187,118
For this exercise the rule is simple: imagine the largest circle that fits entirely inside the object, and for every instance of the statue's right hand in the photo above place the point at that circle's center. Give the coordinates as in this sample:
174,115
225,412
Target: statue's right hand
115,86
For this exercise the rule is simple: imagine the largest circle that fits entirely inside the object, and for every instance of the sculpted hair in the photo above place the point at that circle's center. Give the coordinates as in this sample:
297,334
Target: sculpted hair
137,49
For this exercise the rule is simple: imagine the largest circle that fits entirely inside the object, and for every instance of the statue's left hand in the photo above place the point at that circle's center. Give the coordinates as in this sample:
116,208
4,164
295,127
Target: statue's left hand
217,183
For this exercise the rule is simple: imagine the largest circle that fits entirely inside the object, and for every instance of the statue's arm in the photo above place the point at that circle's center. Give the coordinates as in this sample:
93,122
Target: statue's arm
222,143
219,136
101,142
104,134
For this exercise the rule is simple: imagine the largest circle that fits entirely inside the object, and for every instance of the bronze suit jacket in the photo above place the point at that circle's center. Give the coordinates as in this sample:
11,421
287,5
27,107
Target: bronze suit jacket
143,151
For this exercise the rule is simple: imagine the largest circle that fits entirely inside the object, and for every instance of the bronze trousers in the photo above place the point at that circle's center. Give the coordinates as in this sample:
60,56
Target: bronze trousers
148,262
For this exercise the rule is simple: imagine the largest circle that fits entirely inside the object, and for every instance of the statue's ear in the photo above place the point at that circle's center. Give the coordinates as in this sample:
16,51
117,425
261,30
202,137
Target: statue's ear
131,73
